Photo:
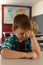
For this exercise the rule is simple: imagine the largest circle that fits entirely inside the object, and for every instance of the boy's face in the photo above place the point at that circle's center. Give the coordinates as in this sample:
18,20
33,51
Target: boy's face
21,34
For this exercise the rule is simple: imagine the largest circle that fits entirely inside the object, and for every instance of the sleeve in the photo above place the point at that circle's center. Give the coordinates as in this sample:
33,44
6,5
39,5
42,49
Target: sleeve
29,45
7,43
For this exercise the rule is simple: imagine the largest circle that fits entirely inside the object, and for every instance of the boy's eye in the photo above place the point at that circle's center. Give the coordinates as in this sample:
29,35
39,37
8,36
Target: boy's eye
22,33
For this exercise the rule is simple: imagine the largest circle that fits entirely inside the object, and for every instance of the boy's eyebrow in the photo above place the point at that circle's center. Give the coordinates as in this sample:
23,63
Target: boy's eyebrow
22,33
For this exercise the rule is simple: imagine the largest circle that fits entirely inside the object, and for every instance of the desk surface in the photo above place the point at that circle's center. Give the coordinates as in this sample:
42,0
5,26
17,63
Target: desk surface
38,61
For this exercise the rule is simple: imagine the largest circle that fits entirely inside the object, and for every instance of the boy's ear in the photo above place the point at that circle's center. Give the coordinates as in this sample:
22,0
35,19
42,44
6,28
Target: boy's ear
12,27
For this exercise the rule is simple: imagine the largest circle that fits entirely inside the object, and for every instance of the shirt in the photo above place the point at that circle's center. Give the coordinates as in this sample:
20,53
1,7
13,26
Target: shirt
22,46
12,43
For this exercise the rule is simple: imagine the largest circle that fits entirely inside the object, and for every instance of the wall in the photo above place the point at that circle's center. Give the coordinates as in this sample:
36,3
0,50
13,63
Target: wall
37,9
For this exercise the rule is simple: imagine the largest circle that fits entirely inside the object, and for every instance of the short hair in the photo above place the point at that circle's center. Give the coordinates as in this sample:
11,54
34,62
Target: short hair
22,21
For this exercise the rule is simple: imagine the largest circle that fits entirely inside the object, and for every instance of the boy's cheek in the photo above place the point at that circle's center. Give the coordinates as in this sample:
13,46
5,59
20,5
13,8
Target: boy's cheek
27,34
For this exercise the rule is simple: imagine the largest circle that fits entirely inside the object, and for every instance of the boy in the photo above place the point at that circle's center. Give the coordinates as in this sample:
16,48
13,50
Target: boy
22,44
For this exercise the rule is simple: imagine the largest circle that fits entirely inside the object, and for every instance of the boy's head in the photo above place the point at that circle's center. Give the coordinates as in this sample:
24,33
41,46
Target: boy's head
21,21
21,25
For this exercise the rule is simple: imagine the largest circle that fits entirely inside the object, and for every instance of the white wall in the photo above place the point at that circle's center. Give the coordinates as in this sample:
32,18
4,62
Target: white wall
37,9
0,21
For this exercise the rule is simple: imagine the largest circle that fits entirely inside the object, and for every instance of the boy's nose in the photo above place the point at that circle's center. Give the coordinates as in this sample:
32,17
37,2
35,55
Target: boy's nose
24,36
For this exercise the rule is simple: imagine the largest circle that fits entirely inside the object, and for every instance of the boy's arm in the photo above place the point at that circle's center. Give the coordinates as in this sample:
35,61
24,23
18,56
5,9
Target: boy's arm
31,55
6,53
35,45
35,50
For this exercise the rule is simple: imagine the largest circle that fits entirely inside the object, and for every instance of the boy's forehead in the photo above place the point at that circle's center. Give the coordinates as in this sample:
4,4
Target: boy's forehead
22,30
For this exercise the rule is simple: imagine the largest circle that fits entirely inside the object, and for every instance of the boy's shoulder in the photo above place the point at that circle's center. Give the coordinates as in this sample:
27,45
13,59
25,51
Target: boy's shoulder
11,38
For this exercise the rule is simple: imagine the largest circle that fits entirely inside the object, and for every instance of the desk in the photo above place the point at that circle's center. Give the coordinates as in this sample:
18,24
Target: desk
38,61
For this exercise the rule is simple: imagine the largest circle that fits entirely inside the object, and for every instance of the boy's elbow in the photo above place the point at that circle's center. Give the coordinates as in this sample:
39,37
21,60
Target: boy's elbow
3,55
39,52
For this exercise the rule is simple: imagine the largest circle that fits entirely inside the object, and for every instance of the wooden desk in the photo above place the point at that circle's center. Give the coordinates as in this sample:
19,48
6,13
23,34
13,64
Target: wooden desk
38,61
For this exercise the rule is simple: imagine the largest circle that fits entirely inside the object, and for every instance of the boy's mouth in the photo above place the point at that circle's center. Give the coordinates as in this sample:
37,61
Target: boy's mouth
21,40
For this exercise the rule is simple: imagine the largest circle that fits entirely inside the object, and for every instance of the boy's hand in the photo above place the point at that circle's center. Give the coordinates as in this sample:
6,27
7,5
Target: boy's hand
30,34
32,55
